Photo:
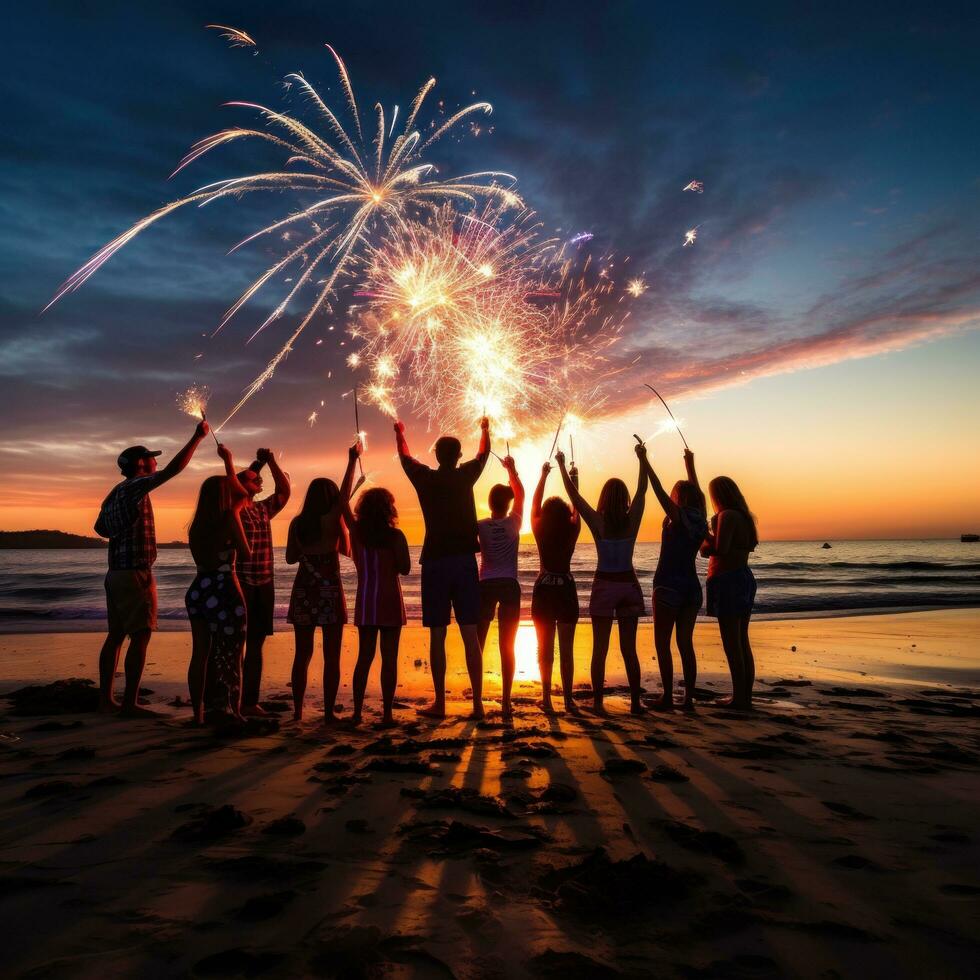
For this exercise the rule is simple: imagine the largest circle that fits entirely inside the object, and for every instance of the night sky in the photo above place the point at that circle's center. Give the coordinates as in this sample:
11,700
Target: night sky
838,145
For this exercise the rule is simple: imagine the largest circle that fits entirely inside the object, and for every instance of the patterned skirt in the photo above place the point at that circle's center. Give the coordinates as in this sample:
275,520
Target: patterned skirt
317,598
216,597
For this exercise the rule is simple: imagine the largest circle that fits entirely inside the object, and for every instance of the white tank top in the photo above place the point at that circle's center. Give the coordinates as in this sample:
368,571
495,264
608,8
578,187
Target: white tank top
499,539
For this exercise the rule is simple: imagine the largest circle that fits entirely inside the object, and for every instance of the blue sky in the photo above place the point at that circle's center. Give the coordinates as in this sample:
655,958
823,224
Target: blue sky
838,145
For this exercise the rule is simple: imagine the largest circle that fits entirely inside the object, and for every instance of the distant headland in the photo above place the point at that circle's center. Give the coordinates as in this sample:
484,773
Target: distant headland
60,539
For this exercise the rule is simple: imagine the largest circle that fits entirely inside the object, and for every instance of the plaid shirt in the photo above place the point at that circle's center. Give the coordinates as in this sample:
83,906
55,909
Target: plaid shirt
257,568
126,519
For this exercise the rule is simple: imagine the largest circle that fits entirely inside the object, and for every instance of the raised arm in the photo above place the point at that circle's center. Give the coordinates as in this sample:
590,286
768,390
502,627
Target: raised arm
579,503
238,535
639,502
345,486
539,493
483,453
180,461
401,442
515,485
689,466
670,508
283,489
238,493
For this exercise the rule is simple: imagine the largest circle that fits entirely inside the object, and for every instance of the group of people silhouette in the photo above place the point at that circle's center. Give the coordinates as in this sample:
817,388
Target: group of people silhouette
231,601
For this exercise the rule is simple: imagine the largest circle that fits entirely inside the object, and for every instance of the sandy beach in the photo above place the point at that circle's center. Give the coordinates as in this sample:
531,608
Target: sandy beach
831,833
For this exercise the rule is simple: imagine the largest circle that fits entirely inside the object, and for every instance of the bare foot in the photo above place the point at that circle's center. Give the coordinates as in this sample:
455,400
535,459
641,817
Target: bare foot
108,707
355,719
571,708
663,703
687,704
387,723
329,718
478,713
598,709
137,711
297,717
254,711
637,709
434,710
547,707
506,711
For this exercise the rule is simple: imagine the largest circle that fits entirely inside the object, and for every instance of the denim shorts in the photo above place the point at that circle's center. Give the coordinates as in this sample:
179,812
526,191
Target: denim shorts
731,593
450,586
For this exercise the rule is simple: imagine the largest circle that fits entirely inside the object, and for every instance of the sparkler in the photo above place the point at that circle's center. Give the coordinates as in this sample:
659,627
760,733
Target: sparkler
670,413
554,442
361,436
194,402
360,188
691,236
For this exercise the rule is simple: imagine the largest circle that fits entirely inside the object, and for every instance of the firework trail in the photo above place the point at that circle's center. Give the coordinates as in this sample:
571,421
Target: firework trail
697,186
235,37
361,188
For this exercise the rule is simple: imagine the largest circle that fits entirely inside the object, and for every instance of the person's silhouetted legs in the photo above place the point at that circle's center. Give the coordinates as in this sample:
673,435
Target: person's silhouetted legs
627,645
390,637
333,638
566,662
108,663
664,617
437,663
546,662
601,628
474,666
510,620
135,662
367,641
252,676
731,640
301,667
686,618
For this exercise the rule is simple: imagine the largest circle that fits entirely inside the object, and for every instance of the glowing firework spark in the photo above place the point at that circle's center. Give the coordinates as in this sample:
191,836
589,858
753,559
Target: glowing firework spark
697,186
360,188
690,237
636,287
237,38
312,419
582,236
193,401
474,316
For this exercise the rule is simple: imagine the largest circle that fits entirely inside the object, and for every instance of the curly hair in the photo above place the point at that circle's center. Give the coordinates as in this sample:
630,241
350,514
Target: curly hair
376,516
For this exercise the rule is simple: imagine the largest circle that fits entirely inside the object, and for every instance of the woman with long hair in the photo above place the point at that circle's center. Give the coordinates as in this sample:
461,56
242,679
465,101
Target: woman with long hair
731,584
616,592
554,601
380,552
215,605
677,594
317,537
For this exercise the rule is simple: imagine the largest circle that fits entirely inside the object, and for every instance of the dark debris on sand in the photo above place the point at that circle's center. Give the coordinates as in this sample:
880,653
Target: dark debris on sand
212,823
708,842
599,888
68,697
450,838
460,798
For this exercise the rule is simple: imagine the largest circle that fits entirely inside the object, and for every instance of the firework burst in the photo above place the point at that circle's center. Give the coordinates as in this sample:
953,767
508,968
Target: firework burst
361,187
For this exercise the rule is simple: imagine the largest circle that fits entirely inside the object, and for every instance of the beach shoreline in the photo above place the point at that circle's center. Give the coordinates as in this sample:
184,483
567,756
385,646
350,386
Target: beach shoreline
836,824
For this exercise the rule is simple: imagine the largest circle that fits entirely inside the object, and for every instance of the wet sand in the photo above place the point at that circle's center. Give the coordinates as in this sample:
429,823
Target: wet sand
833,832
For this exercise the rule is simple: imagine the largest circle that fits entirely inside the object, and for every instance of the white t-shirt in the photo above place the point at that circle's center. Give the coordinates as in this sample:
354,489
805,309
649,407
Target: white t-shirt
499,538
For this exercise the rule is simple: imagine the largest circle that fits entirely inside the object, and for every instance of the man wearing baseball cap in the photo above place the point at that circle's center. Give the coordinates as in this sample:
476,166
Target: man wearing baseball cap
126,519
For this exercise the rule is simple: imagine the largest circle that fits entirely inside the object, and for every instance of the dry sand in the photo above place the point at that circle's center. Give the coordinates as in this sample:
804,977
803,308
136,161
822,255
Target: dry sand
832,833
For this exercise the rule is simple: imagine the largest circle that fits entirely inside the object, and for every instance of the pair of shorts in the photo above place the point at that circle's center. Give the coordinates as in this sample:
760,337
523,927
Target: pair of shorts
554,599
502,592
616,595
731,593
450,586
131,600
260,601
678,594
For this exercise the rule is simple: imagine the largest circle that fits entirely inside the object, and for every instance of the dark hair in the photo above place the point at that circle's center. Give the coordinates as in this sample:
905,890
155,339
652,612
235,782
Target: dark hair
376,516
208,523
555,519
500,496
688,494
448,449
321,498
614,506
727,496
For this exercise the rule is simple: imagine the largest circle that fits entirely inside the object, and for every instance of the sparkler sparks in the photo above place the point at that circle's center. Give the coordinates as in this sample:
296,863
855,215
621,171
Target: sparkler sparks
697,186
194,401
690,237
361,188
636,287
